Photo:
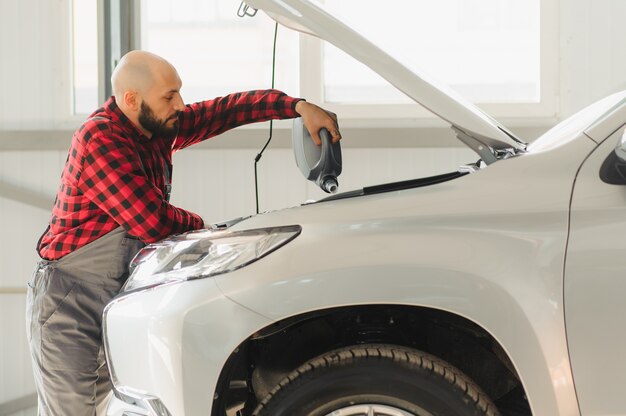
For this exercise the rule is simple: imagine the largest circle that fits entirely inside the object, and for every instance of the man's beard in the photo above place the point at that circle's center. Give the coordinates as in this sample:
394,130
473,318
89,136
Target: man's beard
155,126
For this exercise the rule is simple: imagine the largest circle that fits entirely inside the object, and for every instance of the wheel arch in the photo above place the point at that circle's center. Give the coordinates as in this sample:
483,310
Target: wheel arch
265,357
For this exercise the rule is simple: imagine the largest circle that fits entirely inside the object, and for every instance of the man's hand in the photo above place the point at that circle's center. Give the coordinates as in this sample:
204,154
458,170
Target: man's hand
315,118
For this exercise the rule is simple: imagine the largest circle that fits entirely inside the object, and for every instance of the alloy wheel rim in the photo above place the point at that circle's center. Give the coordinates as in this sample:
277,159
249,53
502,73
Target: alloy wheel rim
367,409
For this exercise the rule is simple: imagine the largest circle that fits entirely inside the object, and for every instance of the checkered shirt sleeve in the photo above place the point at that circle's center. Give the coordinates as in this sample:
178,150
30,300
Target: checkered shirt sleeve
206,119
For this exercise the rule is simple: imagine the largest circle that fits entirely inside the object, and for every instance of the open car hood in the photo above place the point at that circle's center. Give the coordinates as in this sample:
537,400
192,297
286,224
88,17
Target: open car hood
479,131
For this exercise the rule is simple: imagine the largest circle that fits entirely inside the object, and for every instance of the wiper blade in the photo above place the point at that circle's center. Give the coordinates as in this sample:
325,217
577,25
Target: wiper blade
396,186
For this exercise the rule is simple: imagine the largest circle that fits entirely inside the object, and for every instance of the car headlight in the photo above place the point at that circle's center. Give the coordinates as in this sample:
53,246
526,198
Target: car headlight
204,253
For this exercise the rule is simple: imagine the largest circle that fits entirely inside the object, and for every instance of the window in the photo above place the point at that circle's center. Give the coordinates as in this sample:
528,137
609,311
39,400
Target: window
501,54
85,56
215,51
487,50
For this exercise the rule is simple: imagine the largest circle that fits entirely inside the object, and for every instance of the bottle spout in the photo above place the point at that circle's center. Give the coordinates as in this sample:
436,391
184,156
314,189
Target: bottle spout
330,185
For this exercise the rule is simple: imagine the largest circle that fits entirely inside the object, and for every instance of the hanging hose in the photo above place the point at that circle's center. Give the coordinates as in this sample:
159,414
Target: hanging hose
258,156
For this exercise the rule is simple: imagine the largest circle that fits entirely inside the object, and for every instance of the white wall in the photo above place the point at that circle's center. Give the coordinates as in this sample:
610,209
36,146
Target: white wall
217,182
593,51
35,64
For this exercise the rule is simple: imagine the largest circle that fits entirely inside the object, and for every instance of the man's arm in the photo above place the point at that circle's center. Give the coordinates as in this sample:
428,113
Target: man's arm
206,119
113,179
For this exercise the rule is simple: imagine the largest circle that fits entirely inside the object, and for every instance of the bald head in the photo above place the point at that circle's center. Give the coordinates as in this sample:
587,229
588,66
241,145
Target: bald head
138,71
147,90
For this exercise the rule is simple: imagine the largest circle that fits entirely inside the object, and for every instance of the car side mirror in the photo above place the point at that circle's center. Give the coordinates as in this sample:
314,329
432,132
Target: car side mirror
613,170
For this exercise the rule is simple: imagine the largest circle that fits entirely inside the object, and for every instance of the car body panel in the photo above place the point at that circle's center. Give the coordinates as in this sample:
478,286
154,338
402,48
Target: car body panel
307,17
497,247
595,120
489,246
595,285
452,246
158,343
612,120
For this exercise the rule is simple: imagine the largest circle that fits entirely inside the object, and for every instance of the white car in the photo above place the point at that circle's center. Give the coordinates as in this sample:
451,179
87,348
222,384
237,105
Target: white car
497,289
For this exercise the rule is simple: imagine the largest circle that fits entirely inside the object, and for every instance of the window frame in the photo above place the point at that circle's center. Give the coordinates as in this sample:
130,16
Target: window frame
119,27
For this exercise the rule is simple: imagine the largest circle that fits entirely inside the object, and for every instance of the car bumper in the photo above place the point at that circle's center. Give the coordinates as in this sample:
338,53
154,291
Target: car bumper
167,345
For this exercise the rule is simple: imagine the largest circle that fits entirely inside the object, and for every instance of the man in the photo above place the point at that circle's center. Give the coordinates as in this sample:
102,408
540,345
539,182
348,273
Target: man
113,198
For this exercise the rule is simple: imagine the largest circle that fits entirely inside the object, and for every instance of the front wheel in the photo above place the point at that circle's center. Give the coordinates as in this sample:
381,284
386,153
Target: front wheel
380,380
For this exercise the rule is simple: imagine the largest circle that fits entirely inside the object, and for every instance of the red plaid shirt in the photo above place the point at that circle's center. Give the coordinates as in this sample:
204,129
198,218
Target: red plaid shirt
115,175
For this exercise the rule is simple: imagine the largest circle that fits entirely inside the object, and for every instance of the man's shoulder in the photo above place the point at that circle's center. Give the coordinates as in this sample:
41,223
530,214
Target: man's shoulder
95,124
99,128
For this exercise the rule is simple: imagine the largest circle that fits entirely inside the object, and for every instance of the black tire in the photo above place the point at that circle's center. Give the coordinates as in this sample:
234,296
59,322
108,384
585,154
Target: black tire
386,377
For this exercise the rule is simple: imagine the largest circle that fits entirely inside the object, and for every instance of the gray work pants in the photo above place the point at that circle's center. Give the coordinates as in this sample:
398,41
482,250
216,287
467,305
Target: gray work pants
64,308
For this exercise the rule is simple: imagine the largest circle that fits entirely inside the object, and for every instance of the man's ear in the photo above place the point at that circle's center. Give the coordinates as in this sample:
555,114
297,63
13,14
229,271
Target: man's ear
131,100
